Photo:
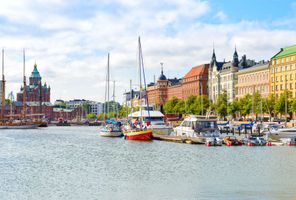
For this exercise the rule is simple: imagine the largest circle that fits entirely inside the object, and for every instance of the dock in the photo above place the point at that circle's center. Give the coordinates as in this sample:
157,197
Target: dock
177,139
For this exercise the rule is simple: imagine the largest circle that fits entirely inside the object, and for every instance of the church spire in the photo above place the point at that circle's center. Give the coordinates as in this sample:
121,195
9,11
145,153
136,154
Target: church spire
213,61
235,60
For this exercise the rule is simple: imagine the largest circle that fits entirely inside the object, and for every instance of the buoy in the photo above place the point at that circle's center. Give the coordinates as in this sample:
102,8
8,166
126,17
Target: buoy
250,144
209,144
290,144
268,144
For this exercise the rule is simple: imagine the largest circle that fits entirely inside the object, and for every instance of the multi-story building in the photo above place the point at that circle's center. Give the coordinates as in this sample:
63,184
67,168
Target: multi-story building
35,91
95,107
193,83
223,75
253,79
282,71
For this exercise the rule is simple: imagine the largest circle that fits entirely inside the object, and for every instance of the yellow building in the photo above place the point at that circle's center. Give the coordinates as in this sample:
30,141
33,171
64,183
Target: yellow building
253,79
283,71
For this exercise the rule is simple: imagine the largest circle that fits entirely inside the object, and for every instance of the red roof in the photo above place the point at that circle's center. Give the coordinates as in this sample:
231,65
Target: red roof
197,70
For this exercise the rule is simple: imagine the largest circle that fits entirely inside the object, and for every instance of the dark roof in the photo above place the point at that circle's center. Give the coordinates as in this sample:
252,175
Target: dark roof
175,81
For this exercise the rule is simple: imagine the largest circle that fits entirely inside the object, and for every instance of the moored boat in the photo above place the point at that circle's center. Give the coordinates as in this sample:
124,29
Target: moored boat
139,130
144,135
232,141
199,128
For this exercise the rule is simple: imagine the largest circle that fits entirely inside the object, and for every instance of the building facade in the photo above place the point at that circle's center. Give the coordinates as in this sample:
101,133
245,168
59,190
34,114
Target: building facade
35,91
223,75
253,79
282,71
193,83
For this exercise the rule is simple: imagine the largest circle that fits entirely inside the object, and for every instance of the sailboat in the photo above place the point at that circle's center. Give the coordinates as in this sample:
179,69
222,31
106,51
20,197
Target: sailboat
112,127
14,124
139,130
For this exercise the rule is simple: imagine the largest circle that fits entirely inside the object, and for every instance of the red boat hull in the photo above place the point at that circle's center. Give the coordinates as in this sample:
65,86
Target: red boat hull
143,135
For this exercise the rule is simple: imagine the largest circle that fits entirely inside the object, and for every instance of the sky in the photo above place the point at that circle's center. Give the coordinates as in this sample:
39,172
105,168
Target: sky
70,40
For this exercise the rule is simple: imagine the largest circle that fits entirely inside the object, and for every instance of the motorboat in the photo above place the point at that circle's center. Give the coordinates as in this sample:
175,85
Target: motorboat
198,127
213,141
254,141
111,129
153,120
232,141
276,133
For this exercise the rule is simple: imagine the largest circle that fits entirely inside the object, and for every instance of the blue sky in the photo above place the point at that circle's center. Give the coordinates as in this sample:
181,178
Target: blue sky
70,39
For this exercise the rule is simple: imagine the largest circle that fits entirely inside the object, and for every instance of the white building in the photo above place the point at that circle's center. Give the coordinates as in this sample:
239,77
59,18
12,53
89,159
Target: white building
95,107
223,76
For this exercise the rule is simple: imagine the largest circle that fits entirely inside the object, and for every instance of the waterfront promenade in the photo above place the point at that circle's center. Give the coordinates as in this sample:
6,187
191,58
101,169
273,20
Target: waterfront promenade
76,163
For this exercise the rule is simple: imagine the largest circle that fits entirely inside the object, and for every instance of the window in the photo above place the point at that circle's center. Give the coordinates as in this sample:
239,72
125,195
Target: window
291,85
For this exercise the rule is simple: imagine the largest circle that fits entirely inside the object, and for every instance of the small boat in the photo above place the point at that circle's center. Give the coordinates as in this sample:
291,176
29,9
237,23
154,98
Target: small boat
255,141
232,141
24,126
213,141
199,128
279,133
111,129
138,135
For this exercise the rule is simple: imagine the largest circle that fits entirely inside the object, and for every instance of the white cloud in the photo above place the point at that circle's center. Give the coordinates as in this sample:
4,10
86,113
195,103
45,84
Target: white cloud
221,16
71,52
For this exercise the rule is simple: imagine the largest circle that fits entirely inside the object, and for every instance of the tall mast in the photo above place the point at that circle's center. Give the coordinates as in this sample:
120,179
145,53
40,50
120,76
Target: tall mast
154,93
25,85
108,80
140,80
131,96
3,89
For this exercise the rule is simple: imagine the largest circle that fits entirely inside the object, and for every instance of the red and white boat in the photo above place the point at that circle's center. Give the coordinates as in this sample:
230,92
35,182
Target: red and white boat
139,130
144,135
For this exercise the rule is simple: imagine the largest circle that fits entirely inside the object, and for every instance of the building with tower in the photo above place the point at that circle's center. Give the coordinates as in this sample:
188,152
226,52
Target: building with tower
193,83
36,91
223,75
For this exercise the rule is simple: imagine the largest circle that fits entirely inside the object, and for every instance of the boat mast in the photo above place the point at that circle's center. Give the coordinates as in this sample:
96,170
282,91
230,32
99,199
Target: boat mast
154,93
108,80
25,85
131,97
140,81
3,89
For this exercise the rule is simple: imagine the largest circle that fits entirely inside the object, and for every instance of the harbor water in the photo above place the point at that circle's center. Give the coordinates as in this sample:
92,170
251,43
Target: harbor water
76,163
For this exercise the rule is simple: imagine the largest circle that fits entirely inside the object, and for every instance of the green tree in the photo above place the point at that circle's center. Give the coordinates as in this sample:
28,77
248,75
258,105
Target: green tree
169,106
91,116
268,105
180,107
190,106
281,101
245,104
221,105
233,108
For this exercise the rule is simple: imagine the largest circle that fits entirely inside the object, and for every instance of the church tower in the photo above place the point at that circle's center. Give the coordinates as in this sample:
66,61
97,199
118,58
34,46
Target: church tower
235,60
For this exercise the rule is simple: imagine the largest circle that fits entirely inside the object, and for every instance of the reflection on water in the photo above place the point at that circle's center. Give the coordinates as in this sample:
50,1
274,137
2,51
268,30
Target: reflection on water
76,163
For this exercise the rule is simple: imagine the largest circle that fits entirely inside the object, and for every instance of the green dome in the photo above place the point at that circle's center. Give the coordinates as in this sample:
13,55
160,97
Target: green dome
35,72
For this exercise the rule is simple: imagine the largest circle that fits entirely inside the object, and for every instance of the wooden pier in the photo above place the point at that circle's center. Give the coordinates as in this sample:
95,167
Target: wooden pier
177,139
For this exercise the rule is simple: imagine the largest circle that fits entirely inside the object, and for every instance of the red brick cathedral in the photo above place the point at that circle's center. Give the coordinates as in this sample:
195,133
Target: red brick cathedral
36,92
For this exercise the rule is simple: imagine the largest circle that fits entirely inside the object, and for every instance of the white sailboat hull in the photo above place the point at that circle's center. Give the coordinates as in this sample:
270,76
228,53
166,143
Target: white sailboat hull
105,133
20,127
